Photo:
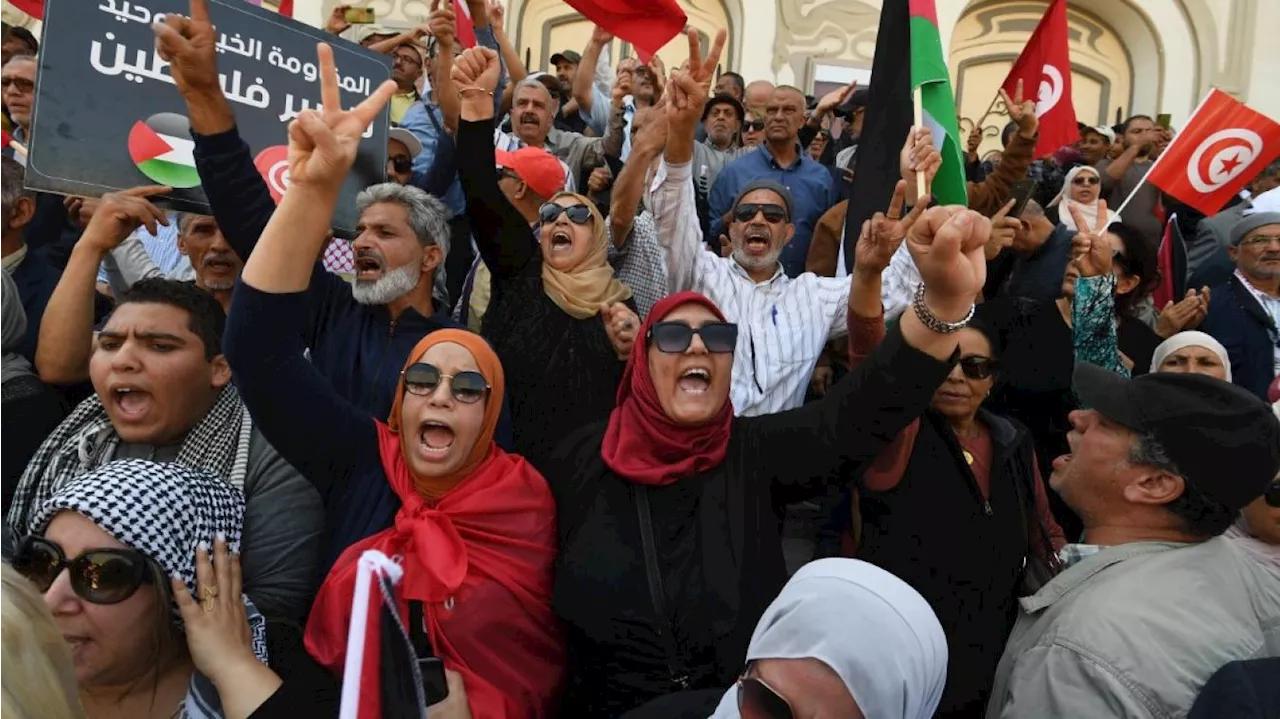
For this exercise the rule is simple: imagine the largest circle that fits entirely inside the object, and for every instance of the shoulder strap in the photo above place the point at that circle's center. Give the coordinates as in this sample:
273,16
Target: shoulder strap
417,631
679,675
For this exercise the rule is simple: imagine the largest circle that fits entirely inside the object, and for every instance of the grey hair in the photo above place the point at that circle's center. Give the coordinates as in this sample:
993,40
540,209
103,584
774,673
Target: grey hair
428,218
533,81
20,57
12,182
1148,451
1198,513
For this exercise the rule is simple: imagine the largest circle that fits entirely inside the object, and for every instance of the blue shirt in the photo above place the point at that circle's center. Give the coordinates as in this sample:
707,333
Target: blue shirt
427,128
813,192
162,247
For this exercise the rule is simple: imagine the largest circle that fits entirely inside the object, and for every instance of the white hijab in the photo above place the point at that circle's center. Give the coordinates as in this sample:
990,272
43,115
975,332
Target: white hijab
1189,338
870,627
1088,211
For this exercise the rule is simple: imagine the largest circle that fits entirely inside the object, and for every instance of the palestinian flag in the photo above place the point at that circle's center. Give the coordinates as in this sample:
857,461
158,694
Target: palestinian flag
161,147
929,75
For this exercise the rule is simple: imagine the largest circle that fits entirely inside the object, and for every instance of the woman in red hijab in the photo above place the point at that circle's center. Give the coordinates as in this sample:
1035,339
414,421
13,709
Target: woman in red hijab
669,537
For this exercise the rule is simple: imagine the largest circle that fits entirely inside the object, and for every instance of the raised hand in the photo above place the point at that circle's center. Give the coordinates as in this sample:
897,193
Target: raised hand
1091,251
703,69
323,143
690,87
601,37
442,24
658,69
834,99
622,325
946,245
883,234
975,139
337,22
477,67
189,45
621,88
1185,314
653,129
1021,110
919,155
599,180
1003,230
120,213
497,13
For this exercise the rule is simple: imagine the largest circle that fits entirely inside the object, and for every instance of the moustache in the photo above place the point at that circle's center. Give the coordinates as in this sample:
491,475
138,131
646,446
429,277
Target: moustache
366,253
529,117
212,257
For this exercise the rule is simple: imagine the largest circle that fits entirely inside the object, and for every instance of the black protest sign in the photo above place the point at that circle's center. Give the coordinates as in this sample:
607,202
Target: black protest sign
108,116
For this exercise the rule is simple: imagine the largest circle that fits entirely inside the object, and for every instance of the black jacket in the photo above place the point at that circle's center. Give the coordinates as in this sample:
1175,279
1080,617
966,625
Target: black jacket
715,536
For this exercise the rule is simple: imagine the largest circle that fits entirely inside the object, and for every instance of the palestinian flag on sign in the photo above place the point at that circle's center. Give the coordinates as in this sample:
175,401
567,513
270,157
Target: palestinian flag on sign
929,75
162,148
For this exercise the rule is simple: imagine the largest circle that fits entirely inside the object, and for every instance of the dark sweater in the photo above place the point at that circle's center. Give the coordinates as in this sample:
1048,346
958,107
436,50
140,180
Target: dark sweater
562,372
715,534
1238,321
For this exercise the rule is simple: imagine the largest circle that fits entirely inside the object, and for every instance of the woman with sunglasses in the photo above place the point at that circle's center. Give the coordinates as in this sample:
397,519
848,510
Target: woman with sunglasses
157,630
558,317
670,545
955,506
1082,192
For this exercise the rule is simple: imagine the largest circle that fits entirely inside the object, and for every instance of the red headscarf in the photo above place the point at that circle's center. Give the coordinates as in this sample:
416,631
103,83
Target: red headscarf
480,558
642,443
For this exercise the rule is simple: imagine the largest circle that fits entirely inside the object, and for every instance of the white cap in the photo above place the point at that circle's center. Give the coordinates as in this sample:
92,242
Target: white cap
409,140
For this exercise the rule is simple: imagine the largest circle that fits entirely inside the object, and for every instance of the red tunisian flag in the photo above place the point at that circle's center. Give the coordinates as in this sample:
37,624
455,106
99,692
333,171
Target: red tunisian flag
34,8
465,27
646,24
1224,145
1044,67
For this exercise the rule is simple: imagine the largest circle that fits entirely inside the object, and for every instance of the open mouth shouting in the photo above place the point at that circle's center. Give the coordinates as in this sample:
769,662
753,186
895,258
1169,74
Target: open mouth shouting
756,240
694,381
132,404
219,263
369,265
435,439
529,119
561,241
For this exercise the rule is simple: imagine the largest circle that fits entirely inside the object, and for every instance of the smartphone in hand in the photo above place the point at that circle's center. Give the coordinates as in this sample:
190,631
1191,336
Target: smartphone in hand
1021,193
359,15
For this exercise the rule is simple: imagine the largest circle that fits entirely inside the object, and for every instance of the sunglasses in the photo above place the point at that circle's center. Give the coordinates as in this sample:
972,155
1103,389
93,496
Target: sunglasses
773,214
99,576
1085,180
675,337
757,699
400,163
976,367
753,125
21,83
550,212
1272,495
467,387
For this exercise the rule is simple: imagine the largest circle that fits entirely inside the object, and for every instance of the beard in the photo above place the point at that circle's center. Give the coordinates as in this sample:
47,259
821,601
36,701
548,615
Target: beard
755,263
391,286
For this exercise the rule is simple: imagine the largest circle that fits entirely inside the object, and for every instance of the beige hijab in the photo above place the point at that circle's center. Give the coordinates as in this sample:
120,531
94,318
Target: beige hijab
585,288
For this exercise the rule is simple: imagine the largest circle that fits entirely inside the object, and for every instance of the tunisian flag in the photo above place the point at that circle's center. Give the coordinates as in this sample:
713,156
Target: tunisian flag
1044,67
34,8
1224,145
646,24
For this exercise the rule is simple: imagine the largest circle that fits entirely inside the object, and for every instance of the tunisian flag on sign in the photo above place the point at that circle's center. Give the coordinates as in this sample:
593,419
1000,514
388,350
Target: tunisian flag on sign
1224,145
1044,67
646,24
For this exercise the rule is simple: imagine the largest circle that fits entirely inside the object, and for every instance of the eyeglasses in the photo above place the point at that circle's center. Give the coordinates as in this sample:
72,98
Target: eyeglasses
977,367
467,387
773,214
400,163
1272,495
757,699
578,214
1085,180
753,125
675,337
405,59
21,83
99,576
1260,241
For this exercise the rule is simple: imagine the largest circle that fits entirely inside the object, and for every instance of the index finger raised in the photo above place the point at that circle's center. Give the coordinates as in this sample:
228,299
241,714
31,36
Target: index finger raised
329,98
713,57
1081,226
996,218
200,10
369,108
1102,218
899,198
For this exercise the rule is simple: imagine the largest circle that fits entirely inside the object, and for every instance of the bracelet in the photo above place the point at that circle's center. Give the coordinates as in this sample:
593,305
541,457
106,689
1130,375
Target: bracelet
931,320
474,88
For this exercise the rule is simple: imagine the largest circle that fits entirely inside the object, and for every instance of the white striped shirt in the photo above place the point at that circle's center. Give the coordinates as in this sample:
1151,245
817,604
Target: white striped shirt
783,323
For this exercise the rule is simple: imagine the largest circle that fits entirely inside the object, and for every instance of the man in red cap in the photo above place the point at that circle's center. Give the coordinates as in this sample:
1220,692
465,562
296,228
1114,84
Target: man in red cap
528,177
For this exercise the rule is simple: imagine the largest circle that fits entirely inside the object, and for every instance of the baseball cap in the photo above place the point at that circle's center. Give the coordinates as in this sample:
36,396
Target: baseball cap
724,100
770,185
1250,222
409,140
537,168
1221,437
566,56
1101,130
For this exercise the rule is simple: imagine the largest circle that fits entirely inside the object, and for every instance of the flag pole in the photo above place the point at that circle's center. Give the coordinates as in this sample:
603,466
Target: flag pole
1156,164
917,108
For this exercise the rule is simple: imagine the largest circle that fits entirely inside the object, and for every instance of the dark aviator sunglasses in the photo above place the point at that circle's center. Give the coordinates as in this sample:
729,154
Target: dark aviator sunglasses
99,576
675,337
550,212
977,367
467,387
773,214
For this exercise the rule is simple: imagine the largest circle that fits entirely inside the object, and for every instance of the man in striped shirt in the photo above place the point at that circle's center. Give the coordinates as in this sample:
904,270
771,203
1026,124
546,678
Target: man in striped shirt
783,322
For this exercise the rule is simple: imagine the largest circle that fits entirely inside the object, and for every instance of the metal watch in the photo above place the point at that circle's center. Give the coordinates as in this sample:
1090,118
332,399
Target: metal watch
931,320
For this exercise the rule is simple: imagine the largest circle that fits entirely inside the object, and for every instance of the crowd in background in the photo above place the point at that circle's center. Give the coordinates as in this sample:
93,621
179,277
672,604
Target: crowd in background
597,375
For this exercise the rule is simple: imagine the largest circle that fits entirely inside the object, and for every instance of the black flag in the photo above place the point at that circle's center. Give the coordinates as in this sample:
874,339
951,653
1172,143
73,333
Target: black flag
885,126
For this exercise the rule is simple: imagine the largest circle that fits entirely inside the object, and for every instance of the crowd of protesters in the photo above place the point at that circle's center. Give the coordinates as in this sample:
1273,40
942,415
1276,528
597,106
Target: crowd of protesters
602,385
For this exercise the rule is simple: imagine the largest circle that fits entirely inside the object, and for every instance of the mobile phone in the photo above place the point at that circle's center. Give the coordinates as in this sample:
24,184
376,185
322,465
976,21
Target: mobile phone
1021,194
434,685
1163,120
359,15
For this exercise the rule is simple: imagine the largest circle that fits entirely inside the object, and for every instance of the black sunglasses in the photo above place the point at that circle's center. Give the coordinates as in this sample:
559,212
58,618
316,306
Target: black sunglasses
100,576
467,387
578,214
753,125
773,214
755,698
400,163
976,367
1272,495
675,337
1085,180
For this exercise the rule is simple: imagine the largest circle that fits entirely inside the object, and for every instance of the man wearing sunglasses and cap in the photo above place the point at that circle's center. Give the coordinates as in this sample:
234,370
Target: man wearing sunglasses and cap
1153,601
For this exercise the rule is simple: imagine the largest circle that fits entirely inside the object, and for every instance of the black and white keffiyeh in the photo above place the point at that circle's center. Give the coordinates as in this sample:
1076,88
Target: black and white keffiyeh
218,444
164,511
